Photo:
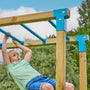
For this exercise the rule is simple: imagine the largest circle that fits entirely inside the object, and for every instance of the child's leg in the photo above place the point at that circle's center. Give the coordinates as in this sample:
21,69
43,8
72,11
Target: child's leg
40,86
40,83
69,86
47,86
51,81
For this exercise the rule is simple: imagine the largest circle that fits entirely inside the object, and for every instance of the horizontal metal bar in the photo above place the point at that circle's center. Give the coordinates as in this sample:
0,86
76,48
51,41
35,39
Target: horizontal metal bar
32,32
6,33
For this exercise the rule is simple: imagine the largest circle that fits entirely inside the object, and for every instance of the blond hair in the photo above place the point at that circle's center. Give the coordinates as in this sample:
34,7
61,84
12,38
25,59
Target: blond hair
11,52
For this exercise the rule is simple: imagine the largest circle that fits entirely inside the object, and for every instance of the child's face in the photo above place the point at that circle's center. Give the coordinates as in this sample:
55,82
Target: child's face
14,56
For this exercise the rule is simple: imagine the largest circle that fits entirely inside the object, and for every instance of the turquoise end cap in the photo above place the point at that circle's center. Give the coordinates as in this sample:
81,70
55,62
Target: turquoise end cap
44,42
82,39
67,38
22,43
0,45
60,12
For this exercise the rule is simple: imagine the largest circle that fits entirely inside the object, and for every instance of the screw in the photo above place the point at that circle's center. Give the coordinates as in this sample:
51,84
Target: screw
60,19
63,12
84,37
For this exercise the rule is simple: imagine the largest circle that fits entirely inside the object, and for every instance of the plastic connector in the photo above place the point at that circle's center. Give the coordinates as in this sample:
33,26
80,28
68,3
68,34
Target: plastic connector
0,45
22,43
82,39
61,15
67,38
44,41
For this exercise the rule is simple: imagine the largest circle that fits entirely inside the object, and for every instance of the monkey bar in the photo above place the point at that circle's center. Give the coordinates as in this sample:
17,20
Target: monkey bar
21,42
51,22
43,40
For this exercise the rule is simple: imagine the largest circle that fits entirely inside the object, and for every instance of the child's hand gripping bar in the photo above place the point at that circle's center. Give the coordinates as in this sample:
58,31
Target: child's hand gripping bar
6,33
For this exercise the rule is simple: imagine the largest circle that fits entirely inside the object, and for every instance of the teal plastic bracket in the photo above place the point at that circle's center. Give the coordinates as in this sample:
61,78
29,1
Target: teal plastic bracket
60,15
60,24
67,38
0,45
82,39
22,43
44,42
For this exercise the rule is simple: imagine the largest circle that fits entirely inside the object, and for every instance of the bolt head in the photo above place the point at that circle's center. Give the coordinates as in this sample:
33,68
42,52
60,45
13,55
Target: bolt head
63,12
84,37
60,19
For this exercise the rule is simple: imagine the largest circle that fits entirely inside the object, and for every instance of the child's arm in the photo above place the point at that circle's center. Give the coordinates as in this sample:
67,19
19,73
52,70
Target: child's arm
28,52
4,51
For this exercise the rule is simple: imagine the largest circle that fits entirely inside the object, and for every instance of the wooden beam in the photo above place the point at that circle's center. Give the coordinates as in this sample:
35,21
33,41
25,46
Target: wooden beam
32,43
60,60
43,16
36,17
83,71
68,13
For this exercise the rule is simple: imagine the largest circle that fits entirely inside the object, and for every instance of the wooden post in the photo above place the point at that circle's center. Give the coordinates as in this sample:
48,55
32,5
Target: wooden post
82,39
60,60
83,71
60,16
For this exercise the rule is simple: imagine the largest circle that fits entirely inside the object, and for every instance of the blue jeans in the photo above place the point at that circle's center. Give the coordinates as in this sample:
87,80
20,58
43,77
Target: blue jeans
36,83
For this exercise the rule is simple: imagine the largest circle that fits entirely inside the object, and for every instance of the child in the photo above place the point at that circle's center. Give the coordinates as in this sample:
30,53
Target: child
23,74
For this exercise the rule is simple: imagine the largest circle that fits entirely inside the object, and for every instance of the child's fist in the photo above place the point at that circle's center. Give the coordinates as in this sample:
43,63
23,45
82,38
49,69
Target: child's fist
16,43
6,37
